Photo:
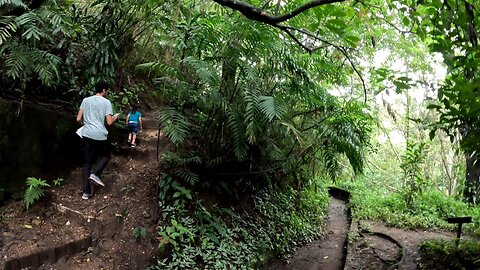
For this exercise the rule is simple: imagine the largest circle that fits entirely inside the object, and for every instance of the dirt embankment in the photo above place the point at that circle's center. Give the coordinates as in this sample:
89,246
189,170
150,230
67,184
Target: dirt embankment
115,229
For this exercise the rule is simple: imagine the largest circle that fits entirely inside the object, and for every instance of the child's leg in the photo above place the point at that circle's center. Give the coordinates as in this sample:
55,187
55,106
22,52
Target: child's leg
134,137
129,137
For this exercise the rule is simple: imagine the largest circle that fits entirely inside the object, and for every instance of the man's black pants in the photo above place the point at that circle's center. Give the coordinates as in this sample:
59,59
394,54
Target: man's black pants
94,151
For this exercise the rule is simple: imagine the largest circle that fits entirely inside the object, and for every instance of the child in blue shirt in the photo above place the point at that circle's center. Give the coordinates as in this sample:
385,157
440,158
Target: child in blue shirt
134,123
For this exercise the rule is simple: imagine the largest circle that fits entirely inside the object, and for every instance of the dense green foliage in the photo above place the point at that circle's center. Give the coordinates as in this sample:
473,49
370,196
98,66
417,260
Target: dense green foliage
250,110
198,233
429,209
443,254
450,28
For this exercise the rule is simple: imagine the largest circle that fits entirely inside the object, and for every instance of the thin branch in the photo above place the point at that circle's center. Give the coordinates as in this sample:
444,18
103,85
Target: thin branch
340,48
261,15
286,30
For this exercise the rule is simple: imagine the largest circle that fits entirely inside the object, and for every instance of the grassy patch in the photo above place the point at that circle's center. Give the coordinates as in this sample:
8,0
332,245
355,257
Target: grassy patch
443,254
429,209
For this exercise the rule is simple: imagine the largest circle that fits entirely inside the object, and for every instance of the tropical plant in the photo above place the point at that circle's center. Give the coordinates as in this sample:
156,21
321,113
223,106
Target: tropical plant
450,28
411,165
139,233
28,41
248,115
58,181
35,190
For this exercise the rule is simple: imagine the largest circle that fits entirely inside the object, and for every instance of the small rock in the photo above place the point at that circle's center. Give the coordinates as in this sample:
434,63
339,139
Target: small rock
36,222
145,214
68,223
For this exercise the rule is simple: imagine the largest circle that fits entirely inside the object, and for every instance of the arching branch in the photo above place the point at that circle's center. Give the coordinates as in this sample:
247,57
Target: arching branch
343,50
261,15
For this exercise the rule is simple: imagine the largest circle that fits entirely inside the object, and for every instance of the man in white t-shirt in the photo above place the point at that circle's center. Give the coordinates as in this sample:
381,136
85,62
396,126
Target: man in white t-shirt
94,112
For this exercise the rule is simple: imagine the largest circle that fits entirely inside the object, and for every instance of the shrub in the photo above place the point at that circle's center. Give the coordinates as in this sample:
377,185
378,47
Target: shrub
444,254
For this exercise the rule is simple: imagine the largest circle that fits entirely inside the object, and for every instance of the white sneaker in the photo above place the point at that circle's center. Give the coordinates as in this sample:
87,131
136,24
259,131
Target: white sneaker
96,179
86,196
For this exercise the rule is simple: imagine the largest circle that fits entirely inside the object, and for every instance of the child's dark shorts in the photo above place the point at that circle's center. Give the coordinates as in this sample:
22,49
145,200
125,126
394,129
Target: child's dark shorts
133,128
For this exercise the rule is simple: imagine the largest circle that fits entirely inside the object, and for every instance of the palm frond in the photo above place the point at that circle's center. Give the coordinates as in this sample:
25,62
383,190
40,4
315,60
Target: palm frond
175,125
205,71
236,126
270,108
7,30
251,100
14,3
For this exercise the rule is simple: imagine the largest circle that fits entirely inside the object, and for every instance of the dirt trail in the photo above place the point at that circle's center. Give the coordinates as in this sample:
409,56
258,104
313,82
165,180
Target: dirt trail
101,228
373,252
327,253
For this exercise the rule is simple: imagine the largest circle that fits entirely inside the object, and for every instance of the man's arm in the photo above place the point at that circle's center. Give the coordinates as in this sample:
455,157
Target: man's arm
141,122
111,118
80,116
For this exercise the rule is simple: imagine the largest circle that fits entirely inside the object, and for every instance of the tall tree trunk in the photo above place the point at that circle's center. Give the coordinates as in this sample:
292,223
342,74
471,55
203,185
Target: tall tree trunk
472,182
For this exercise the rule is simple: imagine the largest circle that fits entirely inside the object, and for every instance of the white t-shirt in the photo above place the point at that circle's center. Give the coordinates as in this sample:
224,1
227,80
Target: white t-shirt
95,108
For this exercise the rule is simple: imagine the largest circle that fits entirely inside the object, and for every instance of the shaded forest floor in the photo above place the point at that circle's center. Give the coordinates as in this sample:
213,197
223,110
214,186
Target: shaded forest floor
104,232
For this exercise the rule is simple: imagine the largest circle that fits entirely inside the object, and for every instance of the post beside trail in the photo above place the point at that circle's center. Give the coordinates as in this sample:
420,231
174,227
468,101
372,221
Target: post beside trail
459,221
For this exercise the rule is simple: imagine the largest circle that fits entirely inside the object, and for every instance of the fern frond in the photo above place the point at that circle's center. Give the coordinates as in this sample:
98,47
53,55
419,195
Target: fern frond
46,66
186,175
270,108
7,30
14,3
28,18
331,163
34,191
16,60
251,111
205,72
175,125
156,67
237,129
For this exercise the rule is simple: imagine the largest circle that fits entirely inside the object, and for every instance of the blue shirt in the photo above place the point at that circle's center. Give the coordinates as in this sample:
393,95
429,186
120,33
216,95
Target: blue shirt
134,117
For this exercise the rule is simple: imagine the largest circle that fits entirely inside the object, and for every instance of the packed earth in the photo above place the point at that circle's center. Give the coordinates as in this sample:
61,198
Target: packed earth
114,229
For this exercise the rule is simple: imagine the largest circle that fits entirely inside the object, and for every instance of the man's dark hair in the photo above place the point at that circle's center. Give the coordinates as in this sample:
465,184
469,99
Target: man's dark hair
100,85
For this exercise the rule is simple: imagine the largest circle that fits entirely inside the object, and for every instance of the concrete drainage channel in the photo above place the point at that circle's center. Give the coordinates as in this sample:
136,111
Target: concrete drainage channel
53,254
344,196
